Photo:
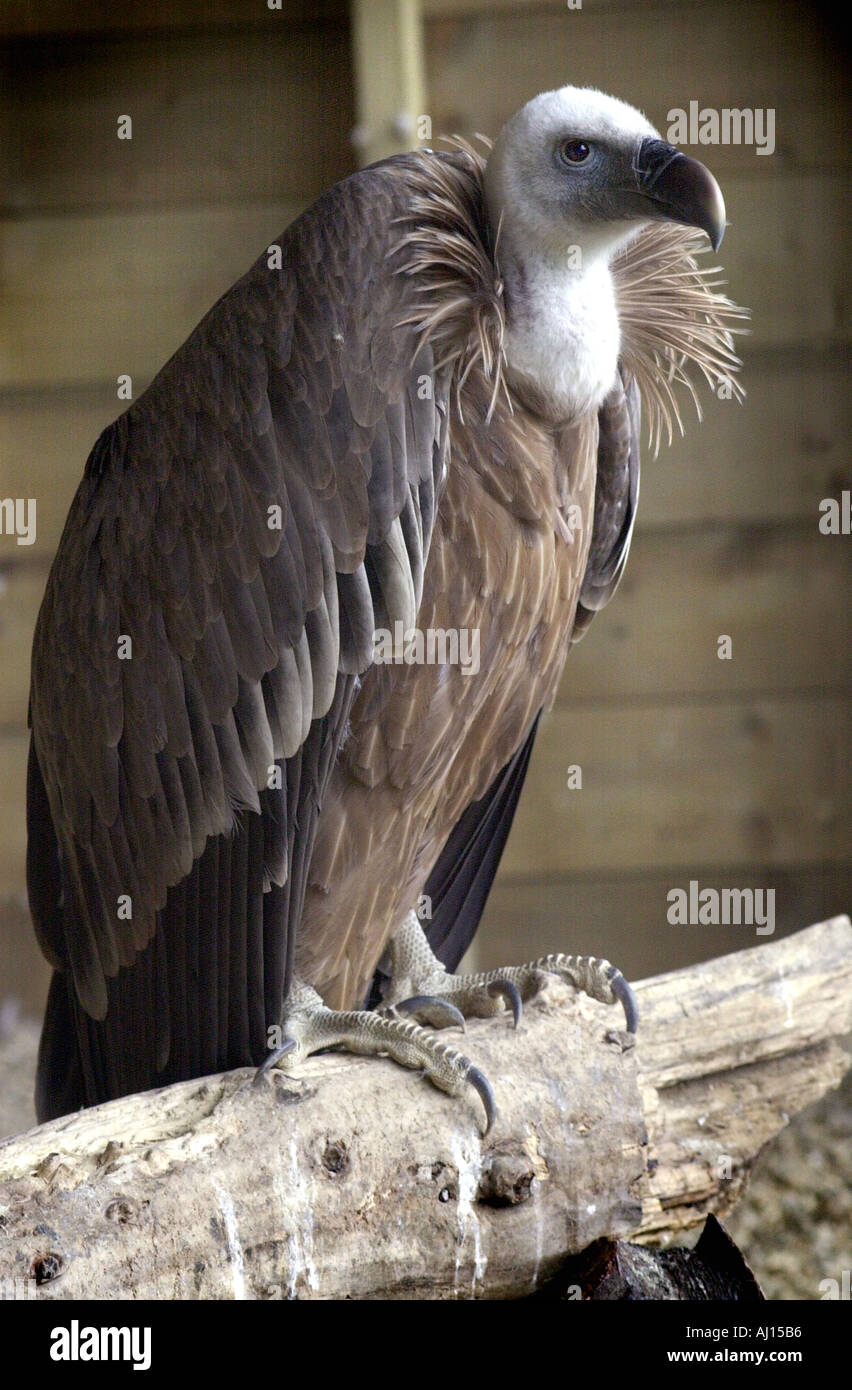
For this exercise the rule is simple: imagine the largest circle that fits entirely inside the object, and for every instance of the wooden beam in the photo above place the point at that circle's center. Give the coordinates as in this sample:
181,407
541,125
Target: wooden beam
24,19
92,297
772,589
480,67
741,780
623,915
388,55
218,118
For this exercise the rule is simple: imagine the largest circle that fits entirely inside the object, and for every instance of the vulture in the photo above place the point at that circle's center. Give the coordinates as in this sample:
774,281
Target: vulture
254,829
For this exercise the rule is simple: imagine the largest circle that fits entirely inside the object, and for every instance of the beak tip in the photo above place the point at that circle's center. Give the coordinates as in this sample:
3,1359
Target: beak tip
718,218
682,189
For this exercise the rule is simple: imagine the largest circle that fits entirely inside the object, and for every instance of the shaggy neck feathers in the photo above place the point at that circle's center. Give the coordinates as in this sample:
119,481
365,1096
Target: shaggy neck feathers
527,330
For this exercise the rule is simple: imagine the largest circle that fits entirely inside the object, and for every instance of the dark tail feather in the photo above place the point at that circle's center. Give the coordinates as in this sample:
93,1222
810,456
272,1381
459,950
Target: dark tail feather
461,880
60,1085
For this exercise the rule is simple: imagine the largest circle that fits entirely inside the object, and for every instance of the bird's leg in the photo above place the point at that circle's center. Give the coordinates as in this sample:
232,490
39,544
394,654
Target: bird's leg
308,1026
422,987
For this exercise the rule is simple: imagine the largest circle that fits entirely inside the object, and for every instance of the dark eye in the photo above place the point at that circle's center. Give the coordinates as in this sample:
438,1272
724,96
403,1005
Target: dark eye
575,152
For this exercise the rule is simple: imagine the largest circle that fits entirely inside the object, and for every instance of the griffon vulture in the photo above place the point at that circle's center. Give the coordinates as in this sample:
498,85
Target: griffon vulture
418,413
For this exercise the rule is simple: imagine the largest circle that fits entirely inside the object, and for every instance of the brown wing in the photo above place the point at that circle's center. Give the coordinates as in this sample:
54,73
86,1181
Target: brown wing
238,535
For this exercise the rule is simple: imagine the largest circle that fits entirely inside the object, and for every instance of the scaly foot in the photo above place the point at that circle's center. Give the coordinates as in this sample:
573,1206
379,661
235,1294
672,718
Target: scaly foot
422,987
309,1026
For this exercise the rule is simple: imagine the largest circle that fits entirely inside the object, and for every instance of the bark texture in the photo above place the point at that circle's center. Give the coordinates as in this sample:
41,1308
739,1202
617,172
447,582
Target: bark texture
359,1179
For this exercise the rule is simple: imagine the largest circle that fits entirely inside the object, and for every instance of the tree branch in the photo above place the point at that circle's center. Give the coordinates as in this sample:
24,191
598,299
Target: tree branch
361,1180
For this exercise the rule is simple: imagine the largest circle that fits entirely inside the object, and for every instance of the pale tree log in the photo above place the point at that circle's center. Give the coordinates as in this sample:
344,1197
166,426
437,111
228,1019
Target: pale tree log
359,1179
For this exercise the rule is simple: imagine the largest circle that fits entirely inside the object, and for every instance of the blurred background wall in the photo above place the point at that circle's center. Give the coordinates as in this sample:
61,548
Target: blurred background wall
734,773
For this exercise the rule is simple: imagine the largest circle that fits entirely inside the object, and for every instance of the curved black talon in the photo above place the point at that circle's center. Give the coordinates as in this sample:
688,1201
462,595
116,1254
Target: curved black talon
288,1045
509,991
420,1003
622,991
480,1083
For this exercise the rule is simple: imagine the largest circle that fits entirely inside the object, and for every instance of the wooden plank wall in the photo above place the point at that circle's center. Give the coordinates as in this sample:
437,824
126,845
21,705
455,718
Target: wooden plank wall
111,251
734,773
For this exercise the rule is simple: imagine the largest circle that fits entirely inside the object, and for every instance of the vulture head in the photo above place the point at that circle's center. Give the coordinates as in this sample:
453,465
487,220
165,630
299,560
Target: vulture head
571,181
577,169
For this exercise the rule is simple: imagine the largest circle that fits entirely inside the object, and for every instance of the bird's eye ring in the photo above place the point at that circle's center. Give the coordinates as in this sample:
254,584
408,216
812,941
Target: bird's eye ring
575,152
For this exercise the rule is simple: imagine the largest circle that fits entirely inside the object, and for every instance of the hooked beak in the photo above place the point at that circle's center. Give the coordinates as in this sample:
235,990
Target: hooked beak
679,189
